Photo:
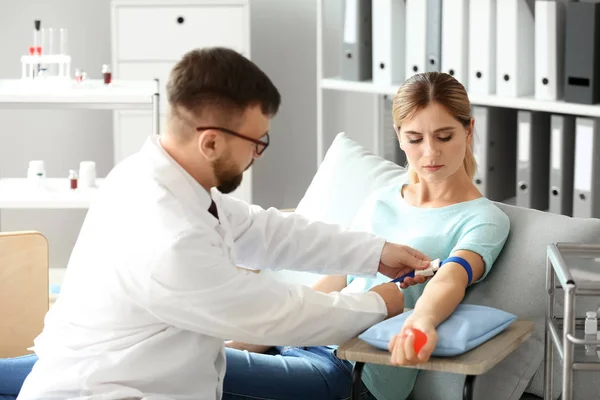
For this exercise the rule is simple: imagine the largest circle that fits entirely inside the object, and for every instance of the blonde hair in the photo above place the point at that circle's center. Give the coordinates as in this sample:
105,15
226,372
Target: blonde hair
419,91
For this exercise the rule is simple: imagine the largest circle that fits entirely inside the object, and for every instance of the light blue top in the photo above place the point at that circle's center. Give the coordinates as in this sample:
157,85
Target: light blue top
476,225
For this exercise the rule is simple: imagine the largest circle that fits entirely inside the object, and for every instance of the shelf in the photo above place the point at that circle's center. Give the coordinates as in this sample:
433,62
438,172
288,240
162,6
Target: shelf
19,193
51,93
519,103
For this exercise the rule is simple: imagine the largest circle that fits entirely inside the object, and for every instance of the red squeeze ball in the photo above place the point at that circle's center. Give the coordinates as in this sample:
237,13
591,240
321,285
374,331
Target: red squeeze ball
420,339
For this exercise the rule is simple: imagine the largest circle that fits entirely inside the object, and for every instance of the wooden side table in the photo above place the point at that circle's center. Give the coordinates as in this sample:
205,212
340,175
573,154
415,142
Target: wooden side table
475,362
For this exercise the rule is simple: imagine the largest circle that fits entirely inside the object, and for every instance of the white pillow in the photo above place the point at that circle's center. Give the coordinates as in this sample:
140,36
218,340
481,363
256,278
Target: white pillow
347,175
345,178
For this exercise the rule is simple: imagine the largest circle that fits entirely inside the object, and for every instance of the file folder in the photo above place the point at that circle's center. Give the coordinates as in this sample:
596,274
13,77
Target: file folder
357,47
416,37
582,53
533,159
455,43
515,40
586,199
549,49
482,47
388,41
495,149
434,35
562,159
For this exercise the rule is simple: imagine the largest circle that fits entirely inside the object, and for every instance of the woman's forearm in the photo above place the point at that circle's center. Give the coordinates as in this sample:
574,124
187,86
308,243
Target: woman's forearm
330,283
439,300
447,288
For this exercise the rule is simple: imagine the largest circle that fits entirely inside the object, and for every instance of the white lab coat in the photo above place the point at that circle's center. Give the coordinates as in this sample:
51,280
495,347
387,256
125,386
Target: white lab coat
151,290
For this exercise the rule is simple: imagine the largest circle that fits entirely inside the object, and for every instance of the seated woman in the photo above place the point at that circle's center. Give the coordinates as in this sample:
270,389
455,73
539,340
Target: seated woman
439,211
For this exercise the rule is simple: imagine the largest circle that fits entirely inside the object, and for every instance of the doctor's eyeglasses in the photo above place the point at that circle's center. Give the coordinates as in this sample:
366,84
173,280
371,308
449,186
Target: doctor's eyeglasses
261,145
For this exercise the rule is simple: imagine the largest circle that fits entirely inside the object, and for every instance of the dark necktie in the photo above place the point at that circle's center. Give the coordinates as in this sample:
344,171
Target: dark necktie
213,209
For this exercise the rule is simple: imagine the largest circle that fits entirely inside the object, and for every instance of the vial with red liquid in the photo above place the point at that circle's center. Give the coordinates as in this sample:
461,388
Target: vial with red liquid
73,179
106,74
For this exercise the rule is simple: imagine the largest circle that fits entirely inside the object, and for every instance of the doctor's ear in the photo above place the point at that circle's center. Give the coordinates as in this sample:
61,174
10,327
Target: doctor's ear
211,144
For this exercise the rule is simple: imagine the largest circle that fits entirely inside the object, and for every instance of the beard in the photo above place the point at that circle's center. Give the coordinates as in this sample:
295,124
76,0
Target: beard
229,177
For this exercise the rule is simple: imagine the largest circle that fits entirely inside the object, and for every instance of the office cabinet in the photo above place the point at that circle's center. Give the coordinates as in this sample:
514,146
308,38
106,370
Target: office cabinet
150,36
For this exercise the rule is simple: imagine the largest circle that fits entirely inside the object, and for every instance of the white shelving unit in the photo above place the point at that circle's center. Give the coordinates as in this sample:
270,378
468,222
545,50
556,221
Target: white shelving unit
171,28
328,80
93,94
520,103
56,194
20,193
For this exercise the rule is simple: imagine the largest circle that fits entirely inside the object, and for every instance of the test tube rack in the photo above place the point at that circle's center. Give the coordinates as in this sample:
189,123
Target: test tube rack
30,65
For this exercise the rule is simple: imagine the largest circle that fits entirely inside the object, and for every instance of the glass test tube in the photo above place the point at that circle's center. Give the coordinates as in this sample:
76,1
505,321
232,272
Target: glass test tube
63,33
50,47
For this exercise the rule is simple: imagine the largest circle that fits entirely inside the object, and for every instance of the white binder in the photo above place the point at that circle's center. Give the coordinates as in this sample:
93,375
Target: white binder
515,48
533,159
586,193
549,49
357,47
455,39
562,161
416,37
495,150
482,47
388,41
434,35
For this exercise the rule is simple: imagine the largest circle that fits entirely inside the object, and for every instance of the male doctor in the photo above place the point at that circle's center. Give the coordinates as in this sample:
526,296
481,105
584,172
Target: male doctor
152,289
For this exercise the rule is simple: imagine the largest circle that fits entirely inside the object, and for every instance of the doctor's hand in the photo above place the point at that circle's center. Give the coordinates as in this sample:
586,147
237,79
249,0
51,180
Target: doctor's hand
392,296
397,260
402,345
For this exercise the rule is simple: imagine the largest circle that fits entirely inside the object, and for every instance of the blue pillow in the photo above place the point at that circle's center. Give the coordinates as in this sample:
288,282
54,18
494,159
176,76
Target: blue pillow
468,327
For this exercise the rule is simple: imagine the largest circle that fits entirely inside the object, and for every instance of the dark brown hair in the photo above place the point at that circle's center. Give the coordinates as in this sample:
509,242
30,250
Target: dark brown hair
220,79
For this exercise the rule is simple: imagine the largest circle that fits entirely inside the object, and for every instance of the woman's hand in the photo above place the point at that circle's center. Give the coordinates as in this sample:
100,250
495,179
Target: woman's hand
402,345
252,348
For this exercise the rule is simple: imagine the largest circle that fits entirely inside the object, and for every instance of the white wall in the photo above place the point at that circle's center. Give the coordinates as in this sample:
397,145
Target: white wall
283,44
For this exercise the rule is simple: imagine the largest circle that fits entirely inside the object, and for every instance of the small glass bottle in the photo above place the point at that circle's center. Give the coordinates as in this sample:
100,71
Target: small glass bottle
591,330
106,74
78,75
73,179
40,180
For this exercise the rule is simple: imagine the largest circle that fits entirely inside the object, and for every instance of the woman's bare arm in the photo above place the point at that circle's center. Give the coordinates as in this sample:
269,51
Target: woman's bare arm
447,288
330,283
439,300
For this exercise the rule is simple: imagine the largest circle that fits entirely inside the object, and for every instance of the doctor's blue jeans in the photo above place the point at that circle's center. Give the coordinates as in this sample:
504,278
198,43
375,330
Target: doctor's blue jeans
288,373
284,373
13,372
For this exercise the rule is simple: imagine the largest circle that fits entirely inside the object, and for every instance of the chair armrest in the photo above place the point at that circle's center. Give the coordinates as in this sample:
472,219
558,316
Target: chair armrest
474,362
